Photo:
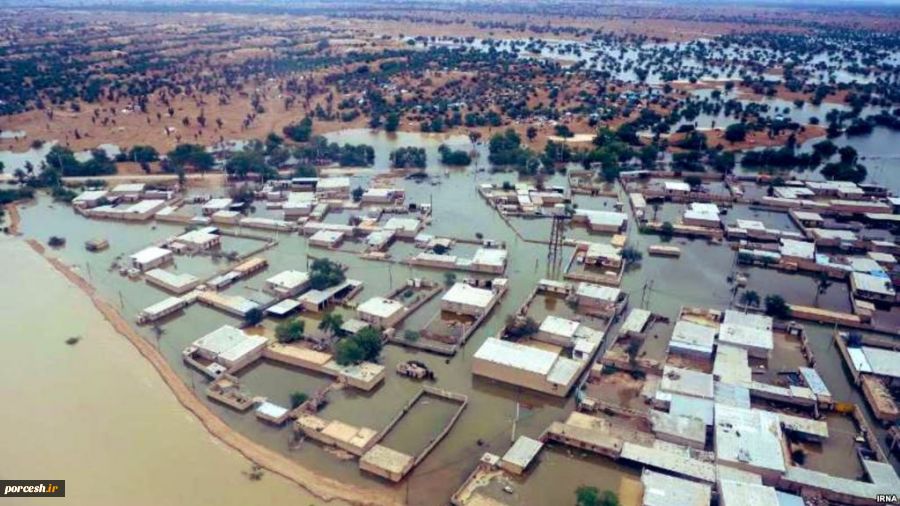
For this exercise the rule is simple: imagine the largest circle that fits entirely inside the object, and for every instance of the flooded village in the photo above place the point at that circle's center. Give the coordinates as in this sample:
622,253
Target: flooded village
680,290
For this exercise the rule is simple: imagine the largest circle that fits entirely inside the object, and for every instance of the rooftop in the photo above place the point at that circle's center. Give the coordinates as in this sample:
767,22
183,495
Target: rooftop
664,490
519,356
288,279
599,292
559,326
687,382
463,293
490,256
150,254
523,451
691,336
749,436
380,307
738,493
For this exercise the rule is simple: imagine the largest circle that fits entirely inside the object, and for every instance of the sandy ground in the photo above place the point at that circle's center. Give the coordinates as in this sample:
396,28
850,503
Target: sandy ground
321,486
715,137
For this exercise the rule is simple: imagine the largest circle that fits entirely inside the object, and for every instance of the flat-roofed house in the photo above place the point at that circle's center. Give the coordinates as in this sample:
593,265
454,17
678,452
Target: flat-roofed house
677,188
287,283
521,454
382,195
752,332
404,227
702,214
556,330
751,440
176,283
128,192
601,221
90,198
230,347
198,240
381,312
598,299
466,299
665,490
694,339
491,260
149,258
525,366
213,206
326,238
872,287
333,187
379,240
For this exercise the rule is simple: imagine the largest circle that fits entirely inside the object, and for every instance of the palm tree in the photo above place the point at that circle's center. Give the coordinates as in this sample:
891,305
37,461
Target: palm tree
749,299
331,323
822,284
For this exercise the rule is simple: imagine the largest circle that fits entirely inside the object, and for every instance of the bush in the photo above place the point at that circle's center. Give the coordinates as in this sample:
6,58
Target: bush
290,330
776,307
297,399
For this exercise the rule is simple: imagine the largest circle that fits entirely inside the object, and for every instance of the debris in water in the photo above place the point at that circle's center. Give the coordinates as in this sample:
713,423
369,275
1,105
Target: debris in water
73,340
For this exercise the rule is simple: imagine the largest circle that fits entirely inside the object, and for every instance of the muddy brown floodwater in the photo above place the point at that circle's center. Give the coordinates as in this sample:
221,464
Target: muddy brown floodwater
96,414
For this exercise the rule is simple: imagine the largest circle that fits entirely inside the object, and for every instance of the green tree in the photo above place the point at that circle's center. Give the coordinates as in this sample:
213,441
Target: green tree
776,307
245,162
253,317
325,274
357,193
750,298
139,153
290,331
190,155
331,323
449,278
667,231
736,132
369,341
590,496
299,132
347,351
392,122
297,399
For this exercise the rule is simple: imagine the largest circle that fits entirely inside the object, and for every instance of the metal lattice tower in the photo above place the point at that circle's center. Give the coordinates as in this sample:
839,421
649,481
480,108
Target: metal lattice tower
556,237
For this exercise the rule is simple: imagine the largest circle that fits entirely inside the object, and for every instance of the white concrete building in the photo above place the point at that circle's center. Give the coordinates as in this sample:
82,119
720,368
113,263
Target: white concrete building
525,366
664,490
463,298
750,439
491,260
326,238
213,206
381,312
288,283
692,339
404,227
598,299
752,332
230,347
151,257
702,214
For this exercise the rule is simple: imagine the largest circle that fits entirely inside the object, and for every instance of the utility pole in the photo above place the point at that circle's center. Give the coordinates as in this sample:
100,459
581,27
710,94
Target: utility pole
512,436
